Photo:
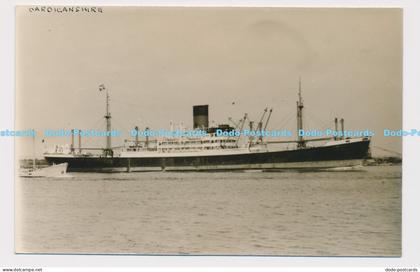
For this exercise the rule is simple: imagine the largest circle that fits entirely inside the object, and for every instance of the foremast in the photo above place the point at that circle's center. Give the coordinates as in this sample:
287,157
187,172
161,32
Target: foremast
299,105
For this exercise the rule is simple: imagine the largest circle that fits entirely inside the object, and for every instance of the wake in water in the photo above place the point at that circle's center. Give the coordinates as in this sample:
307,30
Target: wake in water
347,168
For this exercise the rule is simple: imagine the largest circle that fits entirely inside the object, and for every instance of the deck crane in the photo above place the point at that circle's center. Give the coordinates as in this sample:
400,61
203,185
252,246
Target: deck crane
260,124
241,123
266,123
235,124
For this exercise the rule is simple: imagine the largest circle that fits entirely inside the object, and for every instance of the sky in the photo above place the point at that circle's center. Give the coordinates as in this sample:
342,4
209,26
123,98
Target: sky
158,62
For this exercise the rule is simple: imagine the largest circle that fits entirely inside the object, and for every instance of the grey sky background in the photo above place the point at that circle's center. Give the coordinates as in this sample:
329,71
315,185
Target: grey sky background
159,62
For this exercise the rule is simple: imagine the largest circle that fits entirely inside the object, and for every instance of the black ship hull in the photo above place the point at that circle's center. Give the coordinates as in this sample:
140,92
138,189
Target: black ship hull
340,155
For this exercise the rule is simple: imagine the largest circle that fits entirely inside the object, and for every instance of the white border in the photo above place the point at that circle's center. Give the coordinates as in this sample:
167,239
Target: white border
411,148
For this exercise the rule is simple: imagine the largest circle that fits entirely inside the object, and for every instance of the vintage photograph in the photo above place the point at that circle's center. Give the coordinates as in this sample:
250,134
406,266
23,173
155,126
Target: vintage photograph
250,131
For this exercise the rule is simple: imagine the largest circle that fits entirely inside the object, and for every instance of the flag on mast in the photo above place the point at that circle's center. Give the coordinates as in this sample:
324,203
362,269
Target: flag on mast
101,87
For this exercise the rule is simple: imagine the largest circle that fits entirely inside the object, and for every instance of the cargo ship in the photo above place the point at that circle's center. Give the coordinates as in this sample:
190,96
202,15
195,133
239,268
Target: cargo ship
212,152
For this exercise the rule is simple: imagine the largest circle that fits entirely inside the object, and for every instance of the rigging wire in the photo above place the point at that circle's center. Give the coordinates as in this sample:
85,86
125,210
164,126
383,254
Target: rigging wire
120,124
285,120
98,127
125,103
319,122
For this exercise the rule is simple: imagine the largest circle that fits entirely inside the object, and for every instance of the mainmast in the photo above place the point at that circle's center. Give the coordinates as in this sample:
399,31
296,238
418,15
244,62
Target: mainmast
108,149
299,104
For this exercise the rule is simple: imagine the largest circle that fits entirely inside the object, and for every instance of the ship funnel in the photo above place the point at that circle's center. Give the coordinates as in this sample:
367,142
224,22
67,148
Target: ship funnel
201,117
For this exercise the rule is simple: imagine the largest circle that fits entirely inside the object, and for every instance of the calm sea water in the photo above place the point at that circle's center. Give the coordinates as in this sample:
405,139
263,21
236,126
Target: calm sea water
281,213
